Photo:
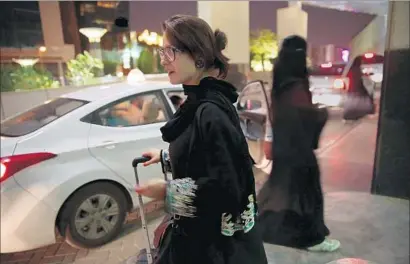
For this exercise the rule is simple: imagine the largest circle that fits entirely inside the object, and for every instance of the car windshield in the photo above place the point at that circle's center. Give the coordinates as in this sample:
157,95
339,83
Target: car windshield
39,116
327,70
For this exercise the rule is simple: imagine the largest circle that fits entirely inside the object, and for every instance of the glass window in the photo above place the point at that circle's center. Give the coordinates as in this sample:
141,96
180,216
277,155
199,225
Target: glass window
39,116
252,97
137,110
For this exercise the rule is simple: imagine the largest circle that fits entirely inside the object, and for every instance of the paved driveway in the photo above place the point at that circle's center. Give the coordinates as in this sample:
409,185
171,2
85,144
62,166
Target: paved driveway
362,223
115,252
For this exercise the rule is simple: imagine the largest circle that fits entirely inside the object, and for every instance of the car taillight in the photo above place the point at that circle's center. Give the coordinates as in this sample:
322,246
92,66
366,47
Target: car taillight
338,84
13,164
369,55
326,65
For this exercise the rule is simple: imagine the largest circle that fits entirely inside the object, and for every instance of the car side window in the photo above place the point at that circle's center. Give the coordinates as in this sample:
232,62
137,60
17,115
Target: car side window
141,109
250,99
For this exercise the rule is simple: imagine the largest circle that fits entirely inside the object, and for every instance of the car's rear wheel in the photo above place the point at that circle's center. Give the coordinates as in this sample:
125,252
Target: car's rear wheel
94,215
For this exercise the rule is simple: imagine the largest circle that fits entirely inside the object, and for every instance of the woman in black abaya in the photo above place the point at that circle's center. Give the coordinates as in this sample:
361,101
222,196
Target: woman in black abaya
291,201
211,197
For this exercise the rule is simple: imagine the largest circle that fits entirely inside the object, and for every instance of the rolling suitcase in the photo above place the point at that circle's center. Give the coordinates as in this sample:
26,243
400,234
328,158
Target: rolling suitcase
146,255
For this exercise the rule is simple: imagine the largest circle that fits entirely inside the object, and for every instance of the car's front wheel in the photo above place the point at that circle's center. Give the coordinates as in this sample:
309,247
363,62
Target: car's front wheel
94,215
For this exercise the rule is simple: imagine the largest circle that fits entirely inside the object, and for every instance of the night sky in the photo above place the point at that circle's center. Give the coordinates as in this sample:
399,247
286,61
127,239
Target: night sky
325,26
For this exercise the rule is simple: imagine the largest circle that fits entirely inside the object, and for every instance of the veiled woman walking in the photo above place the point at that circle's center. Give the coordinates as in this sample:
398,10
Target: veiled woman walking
291,201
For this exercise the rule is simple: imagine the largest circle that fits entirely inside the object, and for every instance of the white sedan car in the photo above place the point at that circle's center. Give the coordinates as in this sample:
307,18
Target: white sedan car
66,164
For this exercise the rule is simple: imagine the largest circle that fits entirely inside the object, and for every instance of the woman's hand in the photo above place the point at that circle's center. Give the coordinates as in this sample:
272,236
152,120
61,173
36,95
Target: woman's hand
154,155
155,189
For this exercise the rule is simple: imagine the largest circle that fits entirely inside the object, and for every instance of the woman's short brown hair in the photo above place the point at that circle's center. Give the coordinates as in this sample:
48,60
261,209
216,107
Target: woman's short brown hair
193,35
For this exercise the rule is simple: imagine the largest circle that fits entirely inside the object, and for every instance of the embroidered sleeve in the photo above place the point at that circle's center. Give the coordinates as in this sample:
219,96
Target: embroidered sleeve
165,161
180,197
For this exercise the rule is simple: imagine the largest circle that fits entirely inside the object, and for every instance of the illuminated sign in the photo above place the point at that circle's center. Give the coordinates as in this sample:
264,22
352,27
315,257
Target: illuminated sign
345,55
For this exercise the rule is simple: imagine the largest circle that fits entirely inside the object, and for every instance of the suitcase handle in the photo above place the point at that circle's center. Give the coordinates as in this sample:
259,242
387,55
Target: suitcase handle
135,163
139,160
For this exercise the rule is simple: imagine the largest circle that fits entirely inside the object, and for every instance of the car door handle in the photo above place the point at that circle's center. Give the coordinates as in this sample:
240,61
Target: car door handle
108,144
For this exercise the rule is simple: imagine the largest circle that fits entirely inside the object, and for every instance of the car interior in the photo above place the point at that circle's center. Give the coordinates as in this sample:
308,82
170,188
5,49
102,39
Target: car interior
141,110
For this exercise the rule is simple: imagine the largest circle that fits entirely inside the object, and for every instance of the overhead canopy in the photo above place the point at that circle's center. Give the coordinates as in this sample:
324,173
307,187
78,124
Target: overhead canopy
375,7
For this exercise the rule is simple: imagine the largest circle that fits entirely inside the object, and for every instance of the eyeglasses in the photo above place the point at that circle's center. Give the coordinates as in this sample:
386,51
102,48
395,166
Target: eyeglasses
168,53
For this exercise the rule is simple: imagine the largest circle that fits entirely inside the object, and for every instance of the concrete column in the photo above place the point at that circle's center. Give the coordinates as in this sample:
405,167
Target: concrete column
291,20
233,19
392,161
51,23
52,28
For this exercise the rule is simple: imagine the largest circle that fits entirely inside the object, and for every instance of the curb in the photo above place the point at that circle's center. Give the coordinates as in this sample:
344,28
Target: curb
335,142
339,138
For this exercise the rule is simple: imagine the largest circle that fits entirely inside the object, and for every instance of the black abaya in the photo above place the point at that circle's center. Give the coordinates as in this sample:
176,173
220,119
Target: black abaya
212,195
291,201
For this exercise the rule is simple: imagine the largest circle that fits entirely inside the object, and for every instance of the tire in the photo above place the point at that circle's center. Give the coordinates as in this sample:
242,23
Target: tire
83,214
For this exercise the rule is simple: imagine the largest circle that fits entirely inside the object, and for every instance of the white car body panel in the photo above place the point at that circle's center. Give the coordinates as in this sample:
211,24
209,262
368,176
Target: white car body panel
26,222
8,145
85,153
112,145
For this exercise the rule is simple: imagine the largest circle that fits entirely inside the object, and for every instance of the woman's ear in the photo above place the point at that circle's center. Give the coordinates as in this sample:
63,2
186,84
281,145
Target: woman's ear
199,63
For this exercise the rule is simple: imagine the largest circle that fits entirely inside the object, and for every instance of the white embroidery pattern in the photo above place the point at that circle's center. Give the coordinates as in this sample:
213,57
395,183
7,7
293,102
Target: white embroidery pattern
180,197
244,223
